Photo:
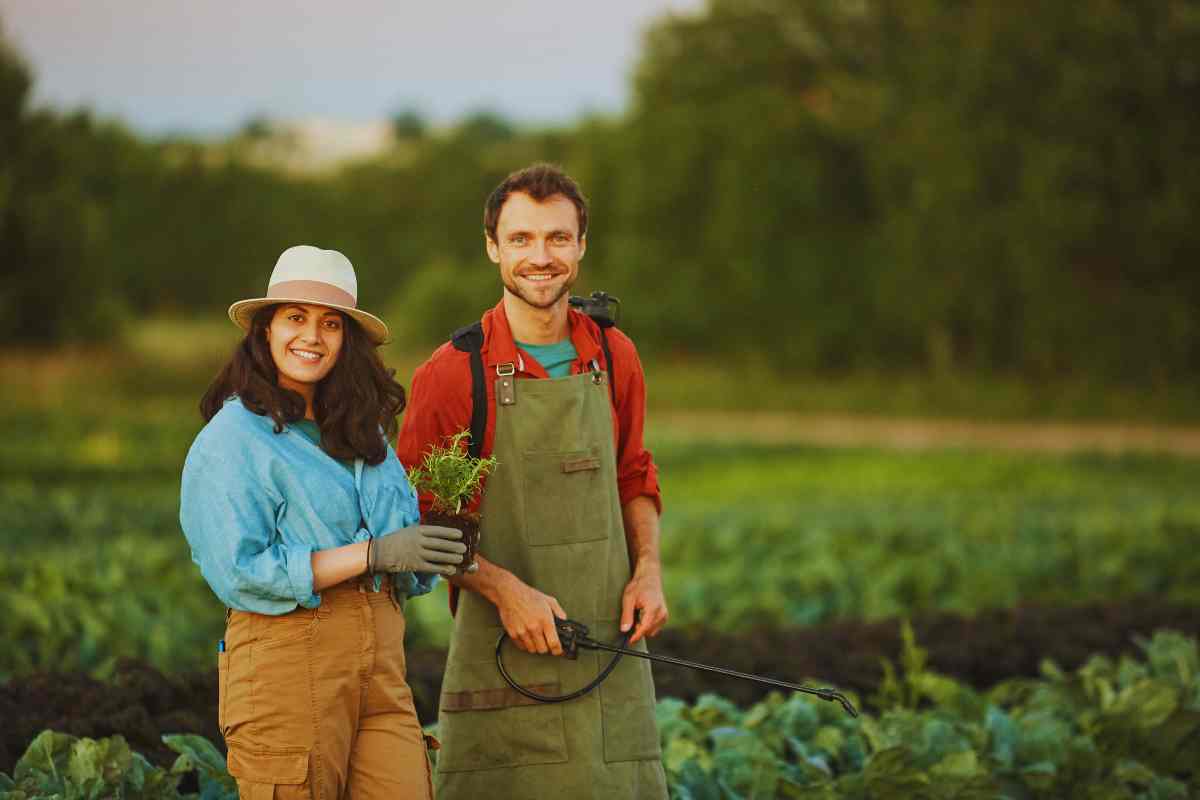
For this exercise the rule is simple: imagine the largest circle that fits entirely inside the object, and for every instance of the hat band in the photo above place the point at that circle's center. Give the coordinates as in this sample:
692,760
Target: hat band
317,292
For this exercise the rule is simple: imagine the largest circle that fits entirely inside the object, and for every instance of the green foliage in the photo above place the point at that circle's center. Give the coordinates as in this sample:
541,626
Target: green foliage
440,297
82,606
1129,729
196,752
779,535
984,161
1047,738
95,565
931,186
451,474
792,535
57,765
15,83
409,124
914,683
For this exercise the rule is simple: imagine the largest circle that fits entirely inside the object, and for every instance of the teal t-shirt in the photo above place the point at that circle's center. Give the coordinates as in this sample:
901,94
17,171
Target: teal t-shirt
312,432
555,358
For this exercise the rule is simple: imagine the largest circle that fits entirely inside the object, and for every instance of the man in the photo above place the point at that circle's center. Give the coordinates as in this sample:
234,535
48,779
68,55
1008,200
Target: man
570,523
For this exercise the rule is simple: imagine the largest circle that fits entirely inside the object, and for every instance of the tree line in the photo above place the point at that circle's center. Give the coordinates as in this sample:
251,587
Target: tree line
824,185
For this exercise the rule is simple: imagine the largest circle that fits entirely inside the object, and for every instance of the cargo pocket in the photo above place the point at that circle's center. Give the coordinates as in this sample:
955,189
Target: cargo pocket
579,483
278,774
234,685
280,679
627,707
483,723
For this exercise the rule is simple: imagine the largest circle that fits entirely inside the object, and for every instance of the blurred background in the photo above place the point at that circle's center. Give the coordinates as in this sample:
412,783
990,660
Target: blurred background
915,285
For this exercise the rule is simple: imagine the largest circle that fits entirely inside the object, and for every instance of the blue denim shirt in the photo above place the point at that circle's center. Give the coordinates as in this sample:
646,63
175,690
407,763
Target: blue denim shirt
255,504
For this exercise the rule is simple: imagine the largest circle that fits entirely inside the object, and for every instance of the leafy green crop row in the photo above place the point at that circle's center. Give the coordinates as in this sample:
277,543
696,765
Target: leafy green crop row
800,535
1129,729
97,567
65,767
83,606
779,566
1110,730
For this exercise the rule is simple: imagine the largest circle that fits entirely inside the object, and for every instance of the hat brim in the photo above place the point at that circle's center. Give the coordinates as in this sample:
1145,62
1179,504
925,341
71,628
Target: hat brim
243,311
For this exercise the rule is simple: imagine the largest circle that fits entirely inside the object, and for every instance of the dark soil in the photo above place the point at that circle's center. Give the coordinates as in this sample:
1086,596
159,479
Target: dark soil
980,651
468,523
142,704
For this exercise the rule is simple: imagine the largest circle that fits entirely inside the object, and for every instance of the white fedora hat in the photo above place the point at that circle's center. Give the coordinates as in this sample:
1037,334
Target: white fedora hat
310,275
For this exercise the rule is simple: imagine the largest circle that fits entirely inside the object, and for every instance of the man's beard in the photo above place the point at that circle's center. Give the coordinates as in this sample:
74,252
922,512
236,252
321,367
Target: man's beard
515,290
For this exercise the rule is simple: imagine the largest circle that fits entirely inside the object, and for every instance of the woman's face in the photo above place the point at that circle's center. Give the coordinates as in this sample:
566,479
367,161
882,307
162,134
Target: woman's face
305,342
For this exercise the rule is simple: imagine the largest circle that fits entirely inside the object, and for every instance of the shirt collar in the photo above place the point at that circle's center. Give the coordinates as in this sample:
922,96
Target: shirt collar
500,348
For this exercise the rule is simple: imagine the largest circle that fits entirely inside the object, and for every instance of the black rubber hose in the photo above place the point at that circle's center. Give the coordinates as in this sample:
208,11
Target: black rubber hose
561,698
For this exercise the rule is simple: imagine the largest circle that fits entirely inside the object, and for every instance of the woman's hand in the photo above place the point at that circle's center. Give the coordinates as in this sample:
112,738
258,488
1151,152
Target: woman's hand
418,548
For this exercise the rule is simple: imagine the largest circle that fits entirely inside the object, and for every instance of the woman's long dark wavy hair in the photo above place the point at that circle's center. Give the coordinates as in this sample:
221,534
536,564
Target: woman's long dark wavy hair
357,398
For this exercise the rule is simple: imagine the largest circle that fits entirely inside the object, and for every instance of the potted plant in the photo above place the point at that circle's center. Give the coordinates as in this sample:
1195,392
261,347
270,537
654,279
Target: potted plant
453,478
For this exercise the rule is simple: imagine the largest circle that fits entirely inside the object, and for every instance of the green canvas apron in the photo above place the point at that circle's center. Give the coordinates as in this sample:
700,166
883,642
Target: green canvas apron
552,517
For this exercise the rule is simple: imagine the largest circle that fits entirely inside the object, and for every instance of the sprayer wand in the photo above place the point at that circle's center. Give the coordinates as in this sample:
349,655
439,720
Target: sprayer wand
574,635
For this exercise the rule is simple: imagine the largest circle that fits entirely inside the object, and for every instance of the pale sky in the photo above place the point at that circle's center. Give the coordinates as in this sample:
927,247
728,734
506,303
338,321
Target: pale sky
206,66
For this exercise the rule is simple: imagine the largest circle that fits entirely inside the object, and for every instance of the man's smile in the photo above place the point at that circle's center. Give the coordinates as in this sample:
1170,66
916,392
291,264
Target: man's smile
541,276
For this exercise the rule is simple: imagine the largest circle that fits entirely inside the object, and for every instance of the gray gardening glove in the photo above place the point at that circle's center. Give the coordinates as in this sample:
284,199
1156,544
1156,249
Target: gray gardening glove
418,548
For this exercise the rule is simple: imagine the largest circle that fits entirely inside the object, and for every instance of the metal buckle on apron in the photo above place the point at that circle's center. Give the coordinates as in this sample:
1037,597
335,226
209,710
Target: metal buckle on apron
597,375
506,384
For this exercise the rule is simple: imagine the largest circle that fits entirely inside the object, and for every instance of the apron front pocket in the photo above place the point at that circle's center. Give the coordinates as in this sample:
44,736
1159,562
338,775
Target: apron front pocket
627,708
483,723
567,497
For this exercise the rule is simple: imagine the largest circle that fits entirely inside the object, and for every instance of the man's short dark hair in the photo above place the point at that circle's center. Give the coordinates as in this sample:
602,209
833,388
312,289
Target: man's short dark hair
541,182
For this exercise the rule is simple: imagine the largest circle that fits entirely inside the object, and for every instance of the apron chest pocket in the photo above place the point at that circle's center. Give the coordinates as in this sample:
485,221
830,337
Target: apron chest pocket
579,487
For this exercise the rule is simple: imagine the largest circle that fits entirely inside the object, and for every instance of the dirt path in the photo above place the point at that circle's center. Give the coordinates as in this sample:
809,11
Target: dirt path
922,434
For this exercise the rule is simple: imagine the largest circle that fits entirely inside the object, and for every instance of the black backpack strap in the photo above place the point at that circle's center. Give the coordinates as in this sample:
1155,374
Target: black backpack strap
605,324
469,339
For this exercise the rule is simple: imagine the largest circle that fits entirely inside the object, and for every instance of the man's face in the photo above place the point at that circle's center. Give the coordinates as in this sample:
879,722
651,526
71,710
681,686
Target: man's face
538,248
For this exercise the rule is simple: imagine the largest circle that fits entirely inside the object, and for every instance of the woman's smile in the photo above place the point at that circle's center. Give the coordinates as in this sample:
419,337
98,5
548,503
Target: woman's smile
305,354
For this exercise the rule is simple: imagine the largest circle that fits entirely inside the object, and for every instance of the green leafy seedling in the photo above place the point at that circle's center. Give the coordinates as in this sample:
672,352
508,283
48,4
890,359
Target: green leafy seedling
451,475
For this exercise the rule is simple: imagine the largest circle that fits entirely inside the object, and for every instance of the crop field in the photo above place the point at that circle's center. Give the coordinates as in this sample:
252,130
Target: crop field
785,540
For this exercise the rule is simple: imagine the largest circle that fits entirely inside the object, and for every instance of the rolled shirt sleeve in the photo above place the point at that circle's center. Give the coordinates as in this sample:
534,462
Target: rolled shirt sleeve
395,507
637,474
229,520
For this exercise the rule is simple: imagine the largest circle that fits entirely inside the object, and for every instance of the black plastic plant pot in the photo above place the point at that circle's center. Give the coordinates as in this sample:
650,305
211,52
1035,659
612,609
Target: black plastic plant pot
468,523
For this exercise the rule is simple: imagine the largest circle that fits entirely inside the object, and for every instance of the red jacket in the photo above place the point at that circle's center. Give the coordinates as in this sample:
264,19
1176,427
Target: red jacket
439,400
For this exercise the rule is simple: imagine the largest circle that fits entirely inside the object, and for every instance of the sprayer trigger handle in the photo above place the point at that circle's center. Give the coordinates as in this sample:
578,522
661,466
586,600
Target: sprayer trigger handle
569,634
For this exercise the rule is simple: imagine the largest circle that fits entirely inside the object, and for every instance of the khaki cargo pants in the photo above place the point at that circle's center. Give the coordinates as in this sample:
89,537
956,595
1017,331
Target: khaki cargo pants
314,704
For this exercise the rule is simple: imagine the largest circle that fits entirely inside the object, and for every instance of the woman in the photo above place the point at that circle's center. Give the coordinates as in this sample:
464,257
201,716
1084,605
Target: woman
304,525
